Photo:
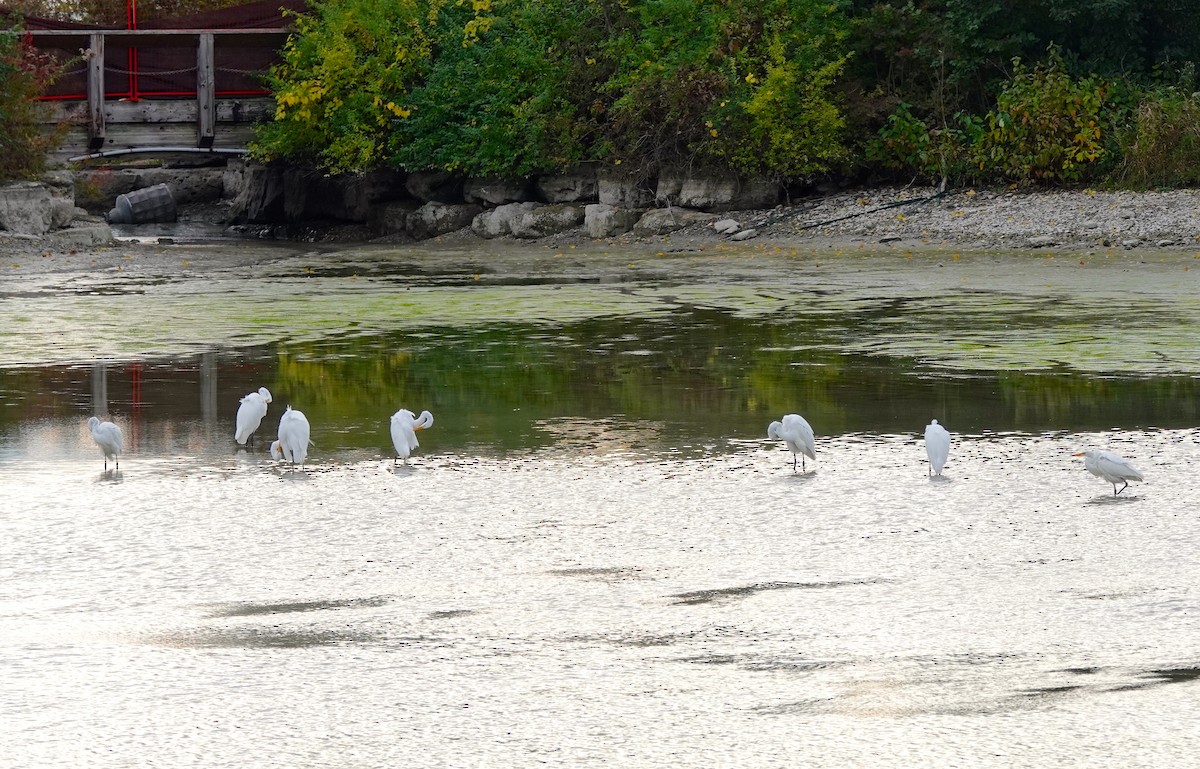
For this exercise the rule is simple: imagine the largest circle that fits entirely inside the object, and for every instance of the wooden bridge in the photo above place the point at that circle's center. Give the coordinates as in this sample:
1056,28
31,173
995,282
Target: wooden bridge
198,89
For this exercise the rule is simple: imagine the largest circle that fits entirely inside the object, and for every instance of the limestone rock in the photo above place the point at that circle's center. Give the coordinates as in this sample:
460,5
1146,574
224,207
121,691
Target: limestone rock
547,220
745,235
435,187
575,186
188,185
96,189
1042,241
604,221
391,217
496,192
25,208
726,226
84,234
62,212
716,193
433,218
625,191
499,221
661,221
260,199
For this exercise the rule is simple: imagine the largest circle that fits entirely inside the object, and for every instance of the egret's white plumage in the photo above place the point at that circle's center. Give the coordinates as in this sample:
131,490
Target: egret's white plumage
293,437
799,436
1113,468
108,437
250,414
404,431
937,446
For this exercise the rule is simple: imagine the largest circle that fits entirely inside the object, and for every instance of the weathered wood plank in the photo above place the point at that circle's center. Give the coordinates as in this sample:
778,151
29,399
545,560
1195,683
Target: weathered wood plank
251,109
156,38
205,84
133,136
95,90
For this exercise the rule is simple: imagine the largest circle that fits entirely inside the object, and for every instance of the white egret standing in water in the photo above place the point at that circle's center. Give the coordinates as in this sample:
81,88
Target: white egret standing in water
108,437
250,414
799,436
404,431
293,437
1113,468
937,446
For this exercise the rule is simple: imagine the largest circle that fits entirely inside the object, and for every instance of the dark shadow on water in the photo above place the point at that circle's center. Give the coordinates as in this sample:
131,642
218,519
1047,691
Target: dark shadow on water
451,613
1115,499
111,476
694,597
257,638
599,574
251,609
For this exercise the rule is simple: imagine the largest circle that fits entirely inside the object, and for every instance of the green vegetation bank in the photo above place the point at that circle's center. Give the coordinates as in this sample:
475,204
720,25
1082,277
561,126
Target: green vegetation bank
1056,92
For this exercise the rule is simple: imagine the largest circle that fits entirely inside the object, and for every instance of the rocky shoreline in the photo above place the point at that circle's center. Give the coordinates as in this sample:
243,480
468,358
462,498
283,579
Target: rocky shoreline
888,217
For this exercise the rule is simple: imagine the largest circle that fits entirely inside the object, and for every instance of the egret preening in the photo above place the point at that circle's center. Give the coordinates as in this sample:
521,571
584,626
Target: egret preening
799,437
293,437
937,446
404,431
250,414
1113,468
108,437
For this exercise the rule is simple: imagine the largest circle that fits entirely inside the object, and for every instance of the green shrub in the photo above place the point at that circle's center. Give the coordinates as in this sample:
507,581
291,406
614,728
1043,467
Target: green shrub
1161,147
733,83
345,77
1047,126
517,96
26,133
907,145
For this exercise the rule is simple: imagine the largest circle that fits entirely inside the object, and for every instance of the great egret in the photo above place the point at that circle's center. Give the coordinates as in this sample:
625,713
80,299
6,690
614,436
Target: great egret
108,437
799,436
1113,468
937,446
404,431
250,414
293,437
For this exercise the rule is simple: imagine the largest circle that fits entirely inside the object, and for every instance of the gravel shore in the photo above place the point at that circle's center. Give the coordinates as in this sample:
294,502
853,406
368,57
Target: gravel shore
997,219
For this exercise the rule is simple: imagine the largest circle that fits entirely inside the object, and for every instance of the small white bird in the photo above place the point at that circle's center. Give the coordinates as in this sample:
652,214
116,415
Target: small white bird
293,437
108,437
1113,468
250,414
937,446
799,436
404,431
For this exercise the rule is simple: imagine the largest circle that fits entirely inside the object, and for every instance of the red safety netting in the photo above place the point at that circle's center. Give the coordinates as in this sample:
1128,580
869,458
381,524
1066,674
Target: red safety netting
170,72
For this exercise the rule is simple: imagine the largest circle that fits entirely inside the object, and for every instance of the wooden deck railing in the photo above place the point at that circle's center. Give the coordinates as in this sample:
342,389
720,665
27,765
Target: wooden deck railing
202,108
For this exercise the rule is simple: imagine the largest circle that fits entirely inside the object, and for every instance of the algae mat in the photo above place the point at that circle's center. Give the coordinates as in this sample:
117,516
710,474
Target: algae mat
1100,314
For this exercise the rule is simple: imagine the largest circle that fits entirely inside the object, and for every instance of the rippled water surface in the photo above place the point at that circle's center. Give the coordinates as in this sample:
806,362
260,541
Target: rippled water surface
596,557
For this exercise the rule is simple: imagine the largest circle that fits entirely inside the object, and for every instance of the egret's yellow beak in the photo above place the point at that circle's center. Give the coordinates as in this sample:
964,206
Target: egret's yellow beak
1078,454
418,427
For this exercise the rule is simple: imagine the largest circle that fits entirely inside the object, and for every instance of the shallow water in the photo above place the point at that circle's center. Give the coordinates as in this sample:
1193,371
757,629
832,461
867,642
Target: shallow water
596,557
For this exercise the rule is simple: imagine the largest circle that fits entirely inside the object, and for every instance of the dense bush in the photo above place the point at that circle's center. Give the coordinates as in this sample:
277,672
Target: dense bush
345,78
25,133
519,94
784,88
509,87
1047,125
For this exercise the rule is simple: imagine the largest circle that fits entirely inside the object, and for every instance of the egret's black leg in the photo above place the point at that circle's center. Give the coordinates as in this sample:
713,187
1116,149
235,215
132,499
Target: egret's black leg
1115,492
794,457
